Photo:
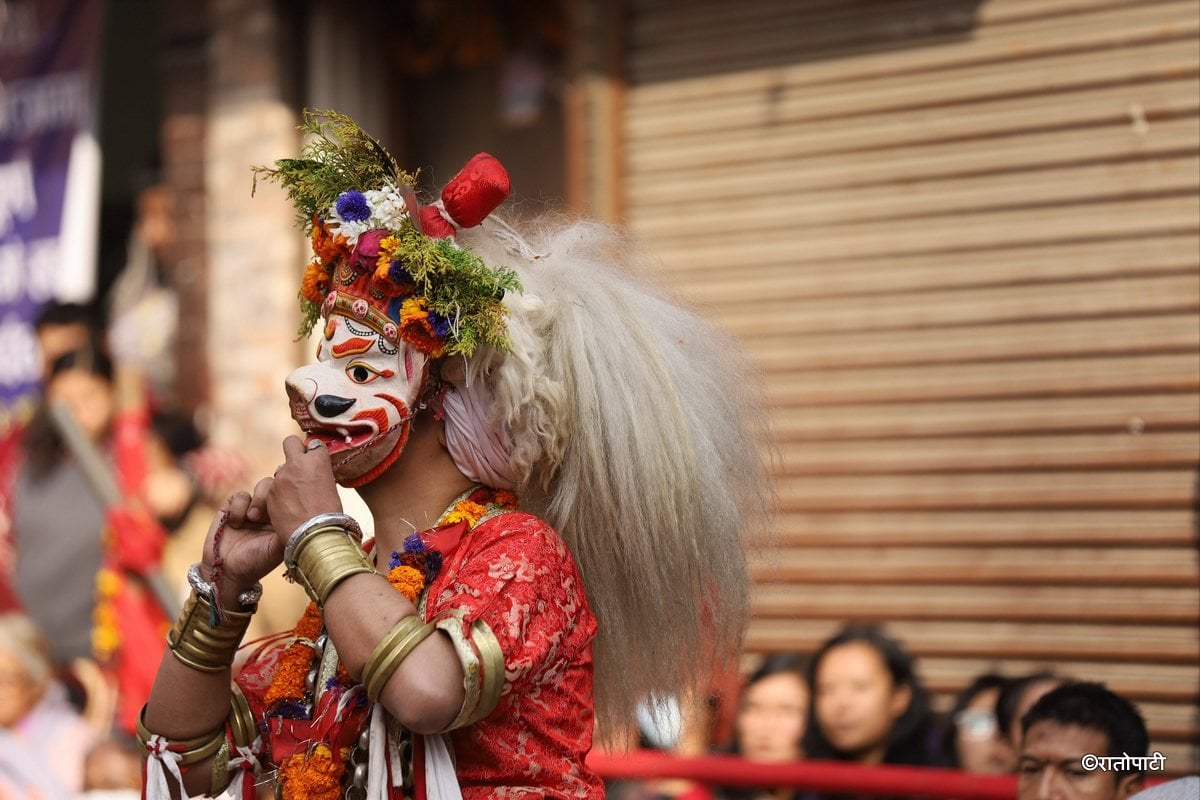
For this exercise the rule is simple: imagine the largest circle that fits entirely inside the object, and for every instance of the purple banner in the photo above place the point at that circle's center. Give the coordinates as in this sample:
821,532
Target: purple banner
48,52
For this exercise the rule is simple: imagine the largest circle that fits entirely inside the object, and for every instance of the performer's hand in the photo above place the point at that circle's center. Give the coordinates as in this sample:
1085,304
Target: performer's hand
248,546
304,486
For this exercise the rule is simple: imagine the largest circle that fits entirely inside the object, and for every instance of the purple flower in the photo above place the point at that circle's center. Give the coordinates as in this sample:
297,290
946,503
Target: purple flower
398,275
352,206
433,564
394,561
413,544
440,325
291,709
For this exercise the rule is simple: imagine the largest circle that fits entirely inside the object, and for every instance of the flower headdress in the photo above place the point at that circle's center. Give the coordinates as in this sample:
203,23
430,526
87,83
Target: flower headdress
381,258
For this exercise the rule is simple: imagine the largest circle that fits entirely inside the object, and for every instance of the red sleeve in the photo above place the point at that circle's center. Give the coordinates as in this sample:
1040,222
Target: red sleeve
514,573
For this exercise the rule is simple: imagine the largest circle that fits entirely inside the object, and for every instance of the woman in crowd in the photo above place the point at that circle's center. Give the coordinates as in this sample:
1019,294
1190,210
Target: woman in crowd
868,706
42,739
973,742
57,518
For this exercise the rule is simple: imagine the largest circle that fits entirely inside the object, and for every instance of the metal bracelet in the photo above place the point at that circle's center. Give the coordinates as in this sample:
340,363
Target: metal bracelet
319,521
248,598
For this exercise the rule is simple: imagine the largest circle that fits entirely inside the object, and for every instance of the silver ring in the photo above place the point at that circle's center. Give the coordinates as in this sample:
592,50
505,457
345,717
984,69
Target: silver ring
313,445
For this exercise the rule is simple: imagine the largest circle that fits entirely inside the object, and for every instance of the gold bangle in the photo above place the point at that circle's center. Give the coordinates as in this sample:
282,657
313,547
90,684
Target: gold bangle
325,558
220,769
200,644
482,661
190,751
392,649
241,718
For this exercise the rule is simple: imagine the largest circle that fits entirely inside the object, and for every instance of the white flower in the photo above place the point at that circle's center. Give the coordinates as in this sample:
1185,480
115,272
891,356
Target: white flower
388,211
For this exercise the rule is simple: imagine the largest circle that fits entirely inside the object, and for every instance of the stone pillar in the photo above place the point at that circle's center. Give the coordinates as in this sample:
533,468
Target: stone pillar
255,254
184,76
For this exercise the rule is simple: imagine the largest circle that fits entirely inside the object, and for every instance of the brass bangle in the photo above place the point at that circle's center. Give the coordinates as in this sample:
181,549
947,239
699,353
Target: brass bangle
241,718
392,649
325,558
196,642
190,751
220,769
482,661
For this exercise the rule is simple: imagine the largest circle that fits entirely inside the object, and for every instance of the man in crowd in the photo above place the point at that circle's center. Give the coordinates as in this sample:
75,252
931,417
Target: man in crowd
1076,738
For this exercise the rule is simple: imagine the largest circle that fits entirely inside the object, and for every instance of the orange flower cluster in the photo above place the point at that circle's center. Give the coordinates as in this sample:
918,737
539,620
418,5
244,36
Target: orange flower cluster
106,636
330,247
416,327
409,581
316,284
315,775
294,664
464,510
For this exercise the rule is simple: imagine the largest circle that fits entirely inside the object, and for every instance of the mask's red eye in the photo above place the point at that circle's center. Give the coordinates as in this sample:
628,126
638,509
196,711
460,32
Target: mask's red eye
361,373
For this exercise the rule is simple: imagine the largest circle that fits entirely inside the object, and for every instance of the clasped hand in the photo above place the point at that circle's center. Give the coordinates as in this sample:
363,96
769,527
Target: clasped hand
257,526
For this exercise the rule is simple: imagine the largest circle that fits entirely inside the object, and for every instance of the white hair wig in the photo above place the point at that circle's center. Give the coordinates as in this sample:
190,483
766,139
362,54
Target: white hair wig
636,430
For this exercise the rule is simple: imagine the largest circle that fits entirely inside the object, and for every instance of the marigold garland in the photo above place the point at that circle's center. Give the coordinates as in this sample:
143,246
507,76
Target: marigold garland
296,660
106,636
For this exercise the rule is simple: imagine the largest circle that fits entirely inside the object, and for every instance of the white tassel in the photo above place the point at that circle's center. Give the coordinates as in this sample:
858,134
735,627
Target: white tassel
162,762
441,783
377,783
245,758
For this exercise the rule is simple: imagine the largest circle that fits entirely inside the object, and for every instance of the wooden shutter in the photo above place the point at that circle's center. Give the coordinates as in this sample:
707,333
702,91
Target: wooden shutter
960,239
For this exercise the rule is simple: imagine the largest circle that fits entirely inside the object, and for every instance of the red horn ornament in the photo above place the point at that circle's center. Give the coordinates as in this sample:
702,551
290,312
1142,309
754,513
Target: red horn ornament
469,197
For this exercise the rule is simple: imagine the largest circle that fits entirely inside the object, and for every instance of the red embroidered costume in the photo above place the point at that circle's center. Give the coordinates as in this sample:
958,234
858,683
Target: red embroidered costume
513,572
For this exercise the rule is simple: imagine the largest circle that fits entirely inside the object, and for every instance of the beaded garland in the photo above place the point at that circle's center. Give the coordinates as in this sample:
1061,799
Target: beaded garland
317,773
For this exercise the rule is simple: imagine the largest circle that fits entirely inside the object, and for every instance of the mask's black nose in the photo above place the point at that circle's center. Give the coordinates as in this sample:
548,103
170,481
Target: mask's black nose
330,405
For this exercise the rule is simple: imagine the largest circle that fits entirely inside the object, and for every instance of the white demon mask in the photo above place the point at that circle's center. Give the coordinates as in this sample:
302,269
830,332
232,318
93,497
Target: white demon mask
359,398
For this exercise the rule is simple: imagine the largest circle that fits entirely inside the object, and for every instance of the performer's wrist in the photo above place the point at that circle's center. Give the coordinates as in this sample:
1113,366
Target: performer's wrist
234,593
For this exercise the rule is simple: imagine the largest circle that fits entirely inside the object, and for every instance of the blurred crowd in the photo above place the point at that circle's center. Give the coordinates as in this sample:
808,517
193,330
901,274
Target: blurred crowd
859,699
105,497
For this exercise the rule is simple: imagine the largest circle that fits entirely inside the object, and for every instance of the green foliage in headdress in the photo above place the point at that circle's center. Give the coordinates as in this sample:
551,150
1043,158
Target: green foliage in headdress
338,156
462,292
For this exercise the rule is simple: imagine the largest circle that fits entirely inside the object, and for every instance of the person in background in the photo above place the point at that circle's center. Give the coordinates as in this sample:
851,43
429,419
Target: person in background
768,726
772,711
973,742
112,770
42,738
83,567
868,705
57,519
1068,723
61,328
771,716
1014,700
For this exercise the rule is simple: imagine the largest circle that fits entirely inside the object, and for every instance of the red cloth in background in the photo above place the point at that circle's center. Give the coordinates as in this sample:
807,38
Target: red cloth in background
10,457
134,551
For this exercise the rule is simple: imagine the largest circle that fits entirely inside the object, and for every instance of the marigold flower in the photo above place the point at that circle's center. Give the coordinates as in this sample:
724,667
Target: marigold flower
315,775
408,581
316,284
330,247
